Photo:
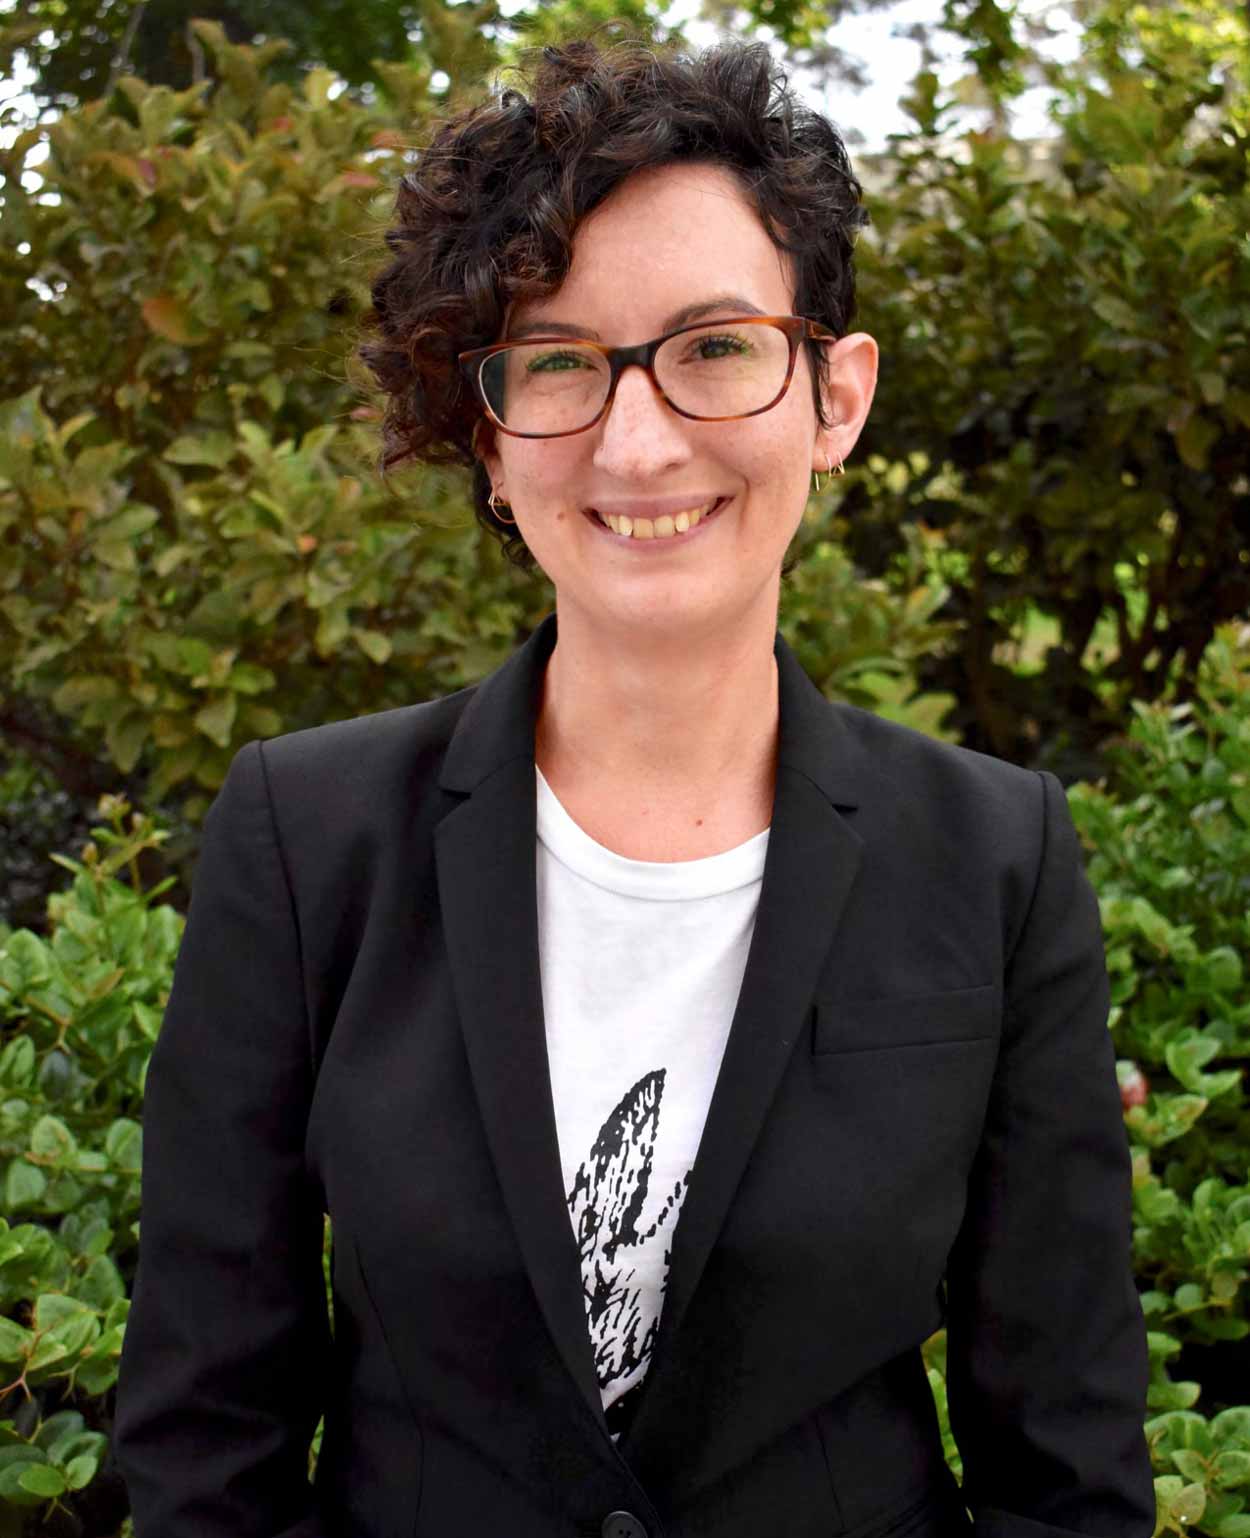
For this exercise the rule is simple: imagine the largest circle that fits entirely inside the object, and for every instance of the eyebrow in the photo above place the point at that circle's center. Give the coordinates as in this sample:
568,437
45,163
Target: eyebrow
688,312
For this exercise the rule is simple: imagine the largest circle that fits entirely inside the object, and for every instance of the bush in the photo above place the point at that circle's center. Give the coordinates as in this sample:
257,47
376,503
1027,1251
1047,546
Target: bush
1169,832
1065,381
79,1012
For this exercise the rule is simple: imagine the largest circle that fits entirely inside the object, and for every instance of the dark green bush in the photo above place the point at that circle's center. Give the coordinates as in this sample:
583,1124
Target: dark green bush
1169,834
1065,379
79,1012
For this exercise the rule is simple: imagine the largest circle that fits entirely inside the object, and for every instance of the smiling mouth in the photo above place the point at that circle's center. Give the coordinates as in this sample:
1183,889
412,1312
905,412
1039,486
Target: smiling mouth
659,530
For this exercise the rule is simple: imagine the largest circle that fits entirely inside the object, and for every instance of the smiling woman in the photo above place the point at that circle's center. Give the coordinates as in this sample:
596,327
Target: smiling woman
673,1050
628,300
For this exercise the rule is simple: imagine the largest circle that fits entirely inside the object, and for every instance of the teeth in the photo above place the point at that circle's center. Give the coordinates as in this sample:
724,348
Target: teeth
659,528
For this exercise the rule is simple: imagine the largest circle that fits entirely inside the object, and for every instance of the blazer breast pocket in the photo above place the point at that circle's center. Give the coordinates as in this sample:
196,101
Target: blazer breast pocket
891,1022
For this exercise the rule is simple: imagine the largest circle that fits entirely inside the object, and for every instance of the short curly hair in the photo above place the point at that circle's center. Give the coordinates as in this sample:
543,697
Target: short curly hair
487,217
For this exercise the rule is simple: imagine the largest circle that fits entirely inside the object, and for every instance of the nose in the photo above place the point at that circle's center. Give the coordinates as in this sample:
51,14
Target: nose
640,431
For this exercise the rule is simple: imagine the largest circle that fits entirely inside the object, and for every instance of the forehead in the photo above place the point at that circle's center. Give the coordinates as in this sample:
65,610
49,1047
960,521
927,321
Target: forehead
667,236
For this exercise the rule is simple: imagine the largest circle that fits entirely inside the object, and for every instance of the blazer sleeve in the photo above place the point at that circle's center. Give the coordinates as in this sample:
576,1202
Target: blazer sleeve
227,1339
1047,1362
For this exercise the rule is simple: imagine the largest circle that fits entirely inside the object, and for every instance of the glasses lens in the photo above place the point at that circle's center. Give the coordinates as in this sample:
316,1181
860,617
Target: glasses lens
724,369
545,387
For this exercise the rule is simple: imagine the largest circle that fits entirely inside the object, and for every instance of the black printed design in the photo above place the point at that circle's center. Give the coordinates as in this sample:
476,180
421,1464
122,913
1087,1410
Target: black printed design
607,1201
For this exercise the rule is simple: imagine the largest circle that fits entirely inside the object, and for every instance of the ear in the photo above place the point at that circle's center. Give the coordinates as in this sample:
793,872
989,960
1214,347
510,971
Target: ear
485,446
852,364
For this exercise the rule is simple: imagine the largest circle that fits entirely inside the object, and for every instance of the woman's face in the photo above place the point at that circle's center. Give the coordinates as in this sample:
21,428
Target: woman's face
668,238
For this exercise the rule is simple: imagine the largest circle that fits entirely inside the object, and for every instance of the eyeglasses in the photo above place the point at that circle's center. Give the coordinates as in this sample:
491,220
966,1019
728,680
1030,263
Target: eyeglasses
715,371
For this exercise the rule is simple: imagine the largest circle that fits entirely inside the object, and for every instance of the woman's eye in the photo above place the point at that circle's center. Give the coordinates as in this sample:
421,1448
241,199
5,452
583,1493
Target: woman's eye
710,347
550,362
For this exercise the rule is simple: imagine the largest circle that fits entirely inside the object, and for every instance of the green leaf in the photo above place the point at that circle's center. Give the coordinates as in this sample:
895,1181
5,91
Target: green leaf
1231,1468
1224,969
126,525
85,689
126,736
55,1308
11,1487
15,1340
169,559
118,554
374,644
80,1471
24,1185
1191,1464
76,1334
52,1139
1187,1506
194,656
250,678
17,1060
47,1353
42,1479
58,1430
101,1284
1194,441
216,719
213,448
124,1144
1117,314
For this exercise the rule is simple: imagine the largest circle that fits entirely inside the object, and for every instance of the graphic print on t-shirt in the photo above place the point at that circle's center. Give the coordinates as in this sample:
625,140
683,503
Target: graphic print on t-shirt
606,1203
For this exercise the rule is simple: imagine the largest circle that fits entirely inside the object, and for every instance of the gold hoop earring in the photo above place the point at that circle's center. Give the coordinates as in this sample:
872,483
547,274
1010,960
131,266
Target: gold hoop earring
840,471
494,507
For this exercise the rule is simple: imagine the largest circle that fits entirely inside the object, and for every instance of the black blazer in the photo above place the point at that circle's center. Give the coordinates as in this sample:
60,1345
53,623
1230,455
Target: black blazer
916,1124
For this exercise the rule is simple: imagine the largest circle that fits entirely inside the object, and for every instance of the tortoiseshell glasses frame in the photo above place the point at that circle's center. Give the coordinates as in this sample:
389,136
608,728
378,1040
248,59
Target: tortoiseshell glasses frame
797,328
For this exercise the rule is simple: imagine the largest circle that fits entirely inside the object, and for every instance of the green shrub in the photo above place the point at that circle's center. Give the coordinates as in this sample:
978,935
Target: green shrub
1168,839
79,1012
1169,834
1065,380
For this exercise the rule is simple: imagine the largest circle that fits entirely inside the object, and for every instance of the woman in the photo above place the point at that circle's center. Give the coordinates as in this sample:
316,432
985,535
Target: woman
672,1050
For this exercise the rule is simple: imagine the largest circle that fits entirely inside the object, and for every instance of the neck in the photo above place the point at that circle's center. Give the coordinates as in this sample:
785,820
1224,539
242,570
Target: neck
693,724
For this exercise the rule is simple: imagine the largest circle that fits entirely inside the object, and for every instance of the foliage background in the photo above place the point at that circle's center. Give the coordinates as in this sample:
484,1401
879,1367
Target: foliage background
1040,549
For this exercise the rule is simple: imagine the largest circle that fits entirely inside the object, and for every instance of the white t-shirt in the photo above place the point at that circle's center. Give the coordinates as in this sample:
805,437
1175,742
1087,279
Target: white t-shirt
641,965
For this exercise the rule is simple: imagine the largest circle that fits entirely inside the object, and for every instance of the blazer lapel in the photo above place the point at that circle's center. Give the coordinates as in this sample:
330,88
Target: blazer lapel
814,855
485,861
485,857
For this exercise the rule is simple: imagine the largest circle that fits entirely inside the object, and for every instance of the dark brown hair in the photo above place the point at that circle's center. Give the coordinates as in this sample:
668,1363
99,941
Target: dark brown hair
488,215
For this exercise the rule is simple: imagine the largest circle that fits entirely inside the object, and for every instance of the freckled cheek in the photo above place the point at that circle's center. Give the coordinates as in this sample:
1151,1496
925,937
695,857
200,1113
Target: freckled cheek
543,491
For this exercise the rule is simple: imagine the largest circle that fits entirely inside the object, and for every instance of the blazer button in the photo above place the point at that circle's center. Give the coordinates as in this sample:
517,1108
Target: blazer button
623,1524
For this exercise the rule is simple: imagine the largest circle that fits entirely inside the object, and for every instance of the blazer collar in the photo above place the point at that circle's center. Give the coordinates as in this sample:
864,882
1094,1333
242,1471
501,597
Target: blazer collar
498,723
486,868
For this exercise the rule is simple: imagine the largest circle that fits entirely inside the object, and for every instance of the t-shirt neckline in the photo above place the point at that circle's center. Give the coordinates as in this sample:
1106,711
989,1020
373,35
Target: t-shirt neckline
657,880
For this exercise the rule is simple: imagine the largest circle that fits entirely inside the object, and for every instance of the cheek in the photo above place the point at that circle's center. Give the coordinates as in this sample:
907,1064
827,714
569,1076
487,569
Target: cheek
539,489
538,469
778,482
